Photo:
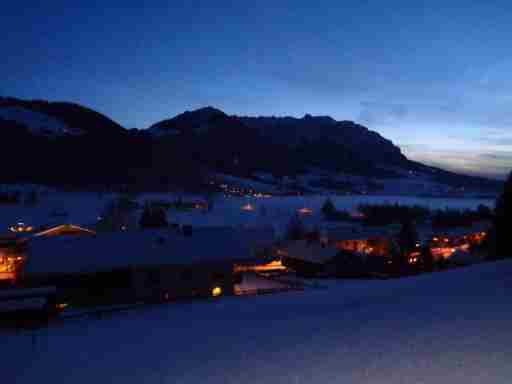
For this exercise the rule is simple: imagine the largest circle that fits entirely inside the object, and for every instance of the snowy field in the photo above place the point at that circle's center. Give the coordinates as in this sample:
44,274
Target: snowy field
451,327
277,211
84,208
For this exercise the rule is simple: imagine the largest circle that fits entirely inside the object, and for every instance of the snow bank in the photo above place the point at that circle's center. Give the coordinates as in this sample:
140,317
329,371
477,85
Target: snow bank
451,327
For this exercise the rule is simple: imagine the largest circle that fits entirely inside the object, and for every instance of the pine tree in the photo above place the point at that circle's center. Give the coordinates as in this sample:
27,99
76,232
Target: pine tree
295,229
153,217
427,259
499,247
328,208
118,214
408,237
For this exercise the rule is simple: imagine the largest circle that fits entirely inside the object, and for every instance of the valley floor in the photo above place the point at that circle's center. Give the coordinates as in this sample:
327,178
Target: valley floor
450,327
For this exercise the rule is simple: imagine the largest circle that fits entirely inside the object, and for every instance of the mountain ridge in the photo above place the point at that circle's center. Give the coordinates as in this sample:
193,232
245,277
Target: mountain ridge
196,143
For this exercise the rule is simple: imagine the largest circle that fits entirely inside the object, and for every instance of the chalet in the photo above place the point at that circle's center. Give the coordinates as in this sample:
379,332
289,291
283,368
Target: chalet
358,239
306,257
12,255
446,242
13,246
143,266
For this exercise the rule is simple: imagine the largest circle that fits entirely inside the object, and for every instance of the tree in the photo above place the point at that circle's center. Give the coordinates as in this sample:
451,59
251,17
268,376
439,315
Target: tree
295,229
349,264
408,237
328,208
399,261
499,244
427,259
210,196
118,214
484,212
406,243
153,216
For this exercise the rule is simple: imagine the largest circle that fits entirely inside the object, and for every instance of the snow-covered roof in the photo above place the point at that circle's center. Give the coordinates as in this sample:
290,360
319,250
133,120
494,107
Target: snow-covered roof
63,228
311,252
358,232
109,251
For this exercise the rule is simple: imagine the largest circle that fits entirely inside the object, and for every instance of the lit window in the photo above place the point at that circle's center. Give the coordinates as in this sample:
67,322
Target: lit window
216,291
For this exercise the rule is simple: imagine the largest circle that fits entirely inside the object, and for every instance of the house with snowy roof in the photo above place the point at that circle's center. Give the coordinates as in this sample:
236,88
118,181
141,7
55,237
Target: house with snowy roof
151,265
363,240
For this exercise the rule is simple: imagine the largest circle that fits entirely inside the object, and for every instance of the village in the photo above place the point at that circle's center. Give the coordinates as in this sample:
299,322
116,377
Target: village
134,253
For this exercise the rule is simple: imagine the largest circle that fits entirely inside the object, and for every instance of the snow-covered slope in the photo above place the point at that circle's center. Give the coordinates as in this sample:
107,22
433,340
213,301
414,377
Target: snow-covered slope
451,327
36,122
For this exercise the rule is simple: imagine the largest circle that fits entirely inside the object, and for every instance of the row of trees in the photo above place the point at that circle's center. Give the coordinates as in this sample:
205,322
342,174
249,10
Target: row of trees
384,214
456,218
123,214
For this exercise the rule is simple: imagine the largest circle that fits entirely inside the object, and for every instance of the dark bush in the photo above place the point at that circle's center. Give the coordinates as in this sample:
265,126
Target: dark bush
349,264
153,217
384,214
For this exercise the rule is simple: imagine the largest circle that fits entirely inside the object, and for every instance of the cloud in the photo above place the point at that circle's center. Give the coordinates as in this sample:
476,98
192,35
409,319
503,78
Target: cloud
496,137
495,164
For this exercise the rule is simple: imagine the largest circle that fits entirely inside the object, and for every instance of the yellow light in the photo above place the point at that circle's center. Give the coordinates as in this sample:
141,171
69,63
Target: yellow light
62,306
216,291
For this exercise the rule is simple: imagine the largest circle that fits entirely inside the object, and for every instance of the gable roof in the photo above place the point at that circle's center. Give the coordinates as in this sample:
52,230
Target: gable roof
62,229
108,251
310,251
357,232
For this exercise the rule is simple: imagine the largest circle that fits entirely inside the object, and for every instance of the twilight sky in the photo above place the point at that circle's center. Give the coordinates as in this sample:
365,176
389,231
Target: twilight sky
433,76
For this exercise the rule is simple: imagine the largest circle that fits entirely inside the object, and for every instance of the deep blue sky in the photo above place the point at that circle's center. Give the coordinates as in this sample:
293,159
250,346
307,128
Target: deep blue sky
433,76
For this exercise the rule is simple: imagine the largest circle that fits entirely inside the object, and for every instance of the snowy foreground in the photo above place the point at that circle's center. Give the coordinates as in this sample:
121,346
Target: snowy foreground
451,327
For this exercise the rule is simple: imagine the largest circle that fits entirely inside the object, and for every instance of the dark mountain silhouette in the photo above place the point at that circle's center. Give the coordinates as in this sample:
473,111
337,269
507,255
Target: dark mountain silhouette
189,122
74,116
69,145
280,146
324,130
